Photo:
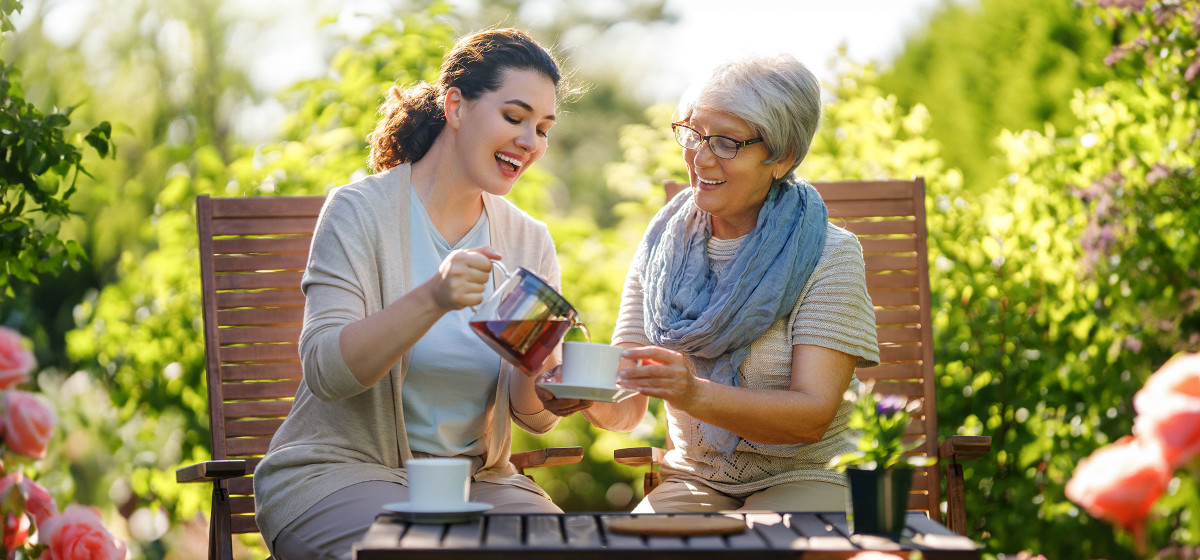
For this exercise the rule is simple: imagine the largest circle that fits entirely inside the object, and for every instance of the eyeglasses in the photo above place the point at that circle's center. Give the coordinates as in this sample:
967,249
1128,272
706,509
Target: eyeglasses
723,147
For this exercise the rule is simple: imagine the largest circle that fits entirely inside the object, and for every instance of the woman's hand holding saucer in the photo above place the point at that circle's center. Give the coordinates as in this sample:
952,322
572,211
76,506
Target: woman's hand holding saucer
560,407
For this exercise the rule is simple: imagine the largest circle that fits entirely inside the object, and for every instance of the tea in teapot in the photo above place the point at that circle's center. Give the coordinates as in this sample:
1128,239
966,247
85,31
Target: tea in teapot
524,319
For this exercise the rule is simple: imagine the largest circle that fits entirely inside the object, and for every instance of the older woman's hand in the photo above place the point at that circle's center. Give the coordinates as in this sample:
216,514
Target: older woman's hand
560,407
662,373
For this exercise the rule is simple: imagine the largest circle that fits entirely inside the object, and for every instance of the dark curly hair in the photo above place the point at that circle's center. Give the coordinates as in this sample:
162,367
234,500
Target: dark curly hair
411,118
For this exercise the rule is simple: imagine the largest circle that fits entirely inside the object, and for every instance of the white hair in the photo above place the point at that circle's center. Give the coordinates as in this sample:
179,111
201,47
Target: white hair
776,95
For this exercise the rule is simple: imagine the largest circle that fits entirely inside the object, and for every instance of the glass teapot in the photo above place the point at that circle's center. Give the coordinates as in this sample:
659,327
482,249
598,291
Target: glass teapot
524,319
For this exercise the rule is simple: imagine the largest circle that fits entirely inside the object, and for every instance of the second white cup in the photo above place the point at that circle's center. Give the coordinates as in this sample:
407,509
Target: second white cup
590,364
438,482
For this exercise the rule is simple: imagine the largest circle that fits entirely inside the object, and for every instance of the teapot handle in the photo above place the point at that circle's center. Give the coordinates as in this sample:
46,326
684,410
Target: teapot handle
503,270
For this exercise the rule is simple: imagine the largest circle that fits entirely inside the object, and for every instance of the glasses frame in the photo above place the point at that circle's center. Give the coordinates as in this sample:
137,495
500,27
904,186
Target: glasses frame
737,144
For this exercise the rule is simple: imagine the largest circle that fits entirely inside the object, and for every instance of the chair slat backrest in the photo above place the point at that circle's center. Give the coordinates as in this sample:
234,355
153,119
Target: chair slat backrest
889,219
252,255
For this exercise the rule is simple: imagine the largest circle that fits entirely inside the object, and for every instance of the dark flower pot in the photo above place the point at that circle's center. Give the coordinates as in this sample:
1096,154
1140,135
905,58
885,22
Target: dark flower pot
878,500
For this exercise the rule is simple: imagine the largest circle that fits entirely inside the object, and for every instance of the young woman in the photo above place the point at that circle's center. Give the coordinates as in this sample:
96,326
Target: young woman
392,370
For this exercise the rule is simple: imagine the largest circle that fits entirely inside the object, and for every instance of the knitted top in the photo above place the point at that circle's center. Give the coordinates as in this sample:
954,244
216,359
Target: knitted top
834,311
340,433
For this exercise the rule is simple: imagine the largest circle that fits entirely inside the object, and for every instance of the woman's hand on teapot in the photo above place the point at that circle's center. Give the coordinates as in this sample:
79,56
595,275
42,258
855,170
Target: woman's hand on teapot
661,373
462,276
560,407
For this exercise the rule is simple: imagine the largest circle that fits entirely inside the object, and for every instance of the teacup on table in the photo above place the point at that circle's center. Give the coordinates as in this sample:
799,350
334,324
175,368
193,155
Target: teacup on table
438,488
590,364
438,483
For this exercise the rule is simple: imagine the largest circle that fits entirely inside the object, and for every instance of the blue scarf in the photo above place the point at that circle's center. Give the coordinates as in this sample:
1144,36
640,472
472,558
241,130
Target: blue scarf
712,319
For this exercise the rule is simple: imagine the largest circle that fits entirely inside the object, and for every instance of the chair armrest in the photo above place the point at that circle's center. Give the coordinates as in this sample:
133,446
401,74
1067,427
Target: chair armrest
639,456
211,471
960,448
548,457
954,450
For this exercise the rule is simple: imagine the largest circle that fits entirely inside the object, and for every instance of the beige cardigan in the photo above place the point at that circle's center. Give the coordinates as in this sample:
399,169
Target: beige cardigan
340,433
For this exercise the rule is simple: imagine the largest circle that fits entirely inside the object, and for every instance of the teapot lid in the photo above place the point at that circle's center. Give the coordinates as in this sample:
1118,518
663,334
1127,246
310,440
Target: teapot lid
541,289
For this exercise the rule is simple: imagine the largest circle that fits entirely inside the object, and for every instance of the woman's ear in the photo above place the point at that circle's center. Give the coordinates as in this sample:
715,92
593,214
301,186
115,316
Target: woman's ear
781,167
453,104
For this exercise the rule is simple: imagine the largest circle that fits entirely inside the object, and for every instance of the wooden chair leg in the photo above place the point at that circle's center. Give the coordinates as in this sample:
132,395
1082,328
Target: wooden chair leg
220,534
956,515
649,482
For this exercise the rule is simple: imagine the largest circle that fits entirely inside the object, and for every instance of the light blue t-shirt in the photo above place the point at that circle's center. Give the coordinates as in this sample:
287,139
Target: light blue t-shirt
453,373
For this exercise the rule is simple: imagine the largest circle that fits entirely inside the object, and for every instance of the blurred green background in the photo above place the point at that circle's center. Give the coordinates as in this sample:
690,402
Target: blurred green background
1057,139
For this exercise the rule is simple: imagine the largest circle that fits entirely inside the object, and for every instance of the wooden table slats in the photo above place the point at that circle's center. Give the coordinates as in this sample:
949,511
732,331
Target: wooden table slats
777,531
423,536
617,541
464,536
821,535
585,536
750,540
582,531
503,531
544,531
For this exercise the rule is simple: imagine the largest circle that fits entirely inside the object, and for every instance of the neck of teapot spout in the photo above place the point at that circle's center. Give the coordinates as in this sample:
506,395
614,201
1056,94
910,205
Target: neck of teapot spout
577,324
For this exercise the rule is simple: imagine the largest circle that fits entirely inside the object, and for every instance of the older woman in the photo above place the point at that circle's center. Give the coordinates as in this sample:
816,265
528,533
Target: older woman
745,308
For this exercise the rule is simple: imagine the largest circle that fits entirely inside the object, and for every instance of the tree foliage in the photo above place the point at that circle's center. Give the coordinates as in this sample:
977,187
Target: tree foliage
1057,290
156,70
39,168
986,66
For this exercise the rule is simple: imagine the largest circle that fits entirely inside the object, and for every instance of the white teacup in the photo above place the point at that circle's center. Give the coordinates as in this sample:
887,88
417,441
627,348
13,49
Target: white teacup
438,482
590,364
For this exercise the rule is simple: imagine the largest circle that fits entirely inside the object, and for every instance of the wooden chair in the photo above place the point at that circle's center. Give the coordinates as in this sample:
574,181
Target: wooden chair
253,252
889,219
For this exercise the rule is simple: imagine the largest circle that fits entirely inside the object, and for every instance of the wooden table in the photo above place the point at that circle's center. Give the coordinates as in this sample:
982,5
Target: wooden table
584,536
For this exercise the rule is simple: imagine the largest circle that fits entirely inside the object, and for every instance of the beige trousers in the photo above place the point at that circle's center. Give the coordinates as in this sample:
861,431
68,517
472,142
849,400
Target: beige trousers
678,496
327,530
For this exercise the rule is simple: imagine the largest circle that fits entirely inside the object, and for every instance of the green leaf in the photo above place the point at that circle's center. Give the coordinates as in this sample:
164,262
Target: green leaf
57,120
100,138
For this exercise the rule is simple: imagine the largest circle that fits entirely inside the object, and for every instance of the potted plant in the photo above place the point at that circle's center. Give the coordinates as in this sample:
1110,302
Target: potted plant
879,472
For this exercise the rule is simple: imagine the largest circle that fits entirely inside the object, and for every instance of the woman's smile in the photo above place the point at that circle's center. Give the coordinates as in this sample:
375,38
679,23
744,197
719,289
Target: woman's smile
510,165
708,185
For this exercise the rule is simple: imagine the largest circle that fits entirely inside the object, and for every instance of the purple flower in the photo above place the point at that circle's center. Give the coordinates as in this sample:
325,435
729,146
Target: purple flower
889,405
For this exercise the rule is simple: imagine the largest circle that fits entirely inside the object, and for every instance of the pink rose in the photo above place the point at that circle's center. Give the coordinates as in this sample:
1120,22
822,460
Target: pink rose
26,424
6,483
16,531
15,361
16,525
1168,409
79,534
38,501
1120,482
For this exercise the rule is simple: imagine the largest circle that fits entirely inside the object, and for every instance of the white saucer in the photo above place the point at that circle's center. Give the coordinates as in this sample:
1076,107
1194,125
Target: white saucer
583,392
420,513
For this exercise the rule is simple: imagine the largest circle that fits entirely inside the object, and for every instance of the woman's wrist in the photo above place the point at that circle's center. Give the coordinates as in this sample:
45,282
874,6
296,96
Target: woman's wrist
696,399
523,394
